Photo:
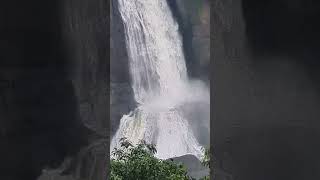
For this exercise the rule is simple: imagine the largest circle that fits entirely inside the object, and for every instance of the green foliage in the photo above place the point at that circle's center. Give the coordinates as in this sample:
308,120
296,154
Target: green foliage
205,178
206,161
139,163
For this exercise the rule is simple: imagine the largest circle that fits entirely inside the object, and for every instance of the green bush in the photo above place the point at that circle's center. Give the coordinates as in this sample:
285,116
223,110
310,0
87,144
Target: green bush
206,158
139,163
206,162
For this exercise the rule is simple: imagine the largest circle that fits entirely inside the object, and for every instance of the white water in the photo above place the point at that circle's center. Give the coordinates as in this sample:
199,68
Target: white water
159,80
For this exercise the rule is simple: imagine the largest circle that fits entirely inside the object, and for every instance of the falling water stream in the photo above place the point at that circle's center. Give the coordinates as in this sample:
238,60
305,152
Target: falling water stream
159,81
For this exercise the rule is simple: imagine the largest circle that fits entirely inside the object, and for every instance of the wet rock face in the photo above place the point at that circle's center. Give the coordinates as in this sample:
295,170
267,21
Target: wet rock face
193,18
119,70
120,102
197,114
194,167
121,93
86,31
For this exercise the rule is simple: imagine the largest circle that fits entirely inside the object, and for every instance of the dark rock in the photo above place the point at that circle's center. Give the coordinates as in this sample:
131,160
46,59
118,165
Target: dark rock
193,18
40,120
194,167
121,103
56,56
88,164
119,62
265,108
198,116
121,94
86,32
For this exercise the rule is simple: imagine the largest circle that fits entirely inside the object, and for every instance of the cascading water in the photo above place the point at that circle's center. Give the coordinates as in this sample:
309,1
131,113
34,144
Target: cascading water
159,80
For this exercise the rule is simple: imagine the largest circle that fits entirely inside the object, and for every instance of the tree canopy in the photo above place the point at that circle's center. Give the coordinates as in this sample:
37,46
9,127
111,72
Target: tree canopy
138,162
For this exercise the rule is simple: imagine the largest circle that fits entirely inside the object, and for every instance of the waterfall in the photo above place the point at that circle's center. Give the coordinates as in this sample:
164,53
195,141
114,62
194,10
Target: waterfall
159,80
